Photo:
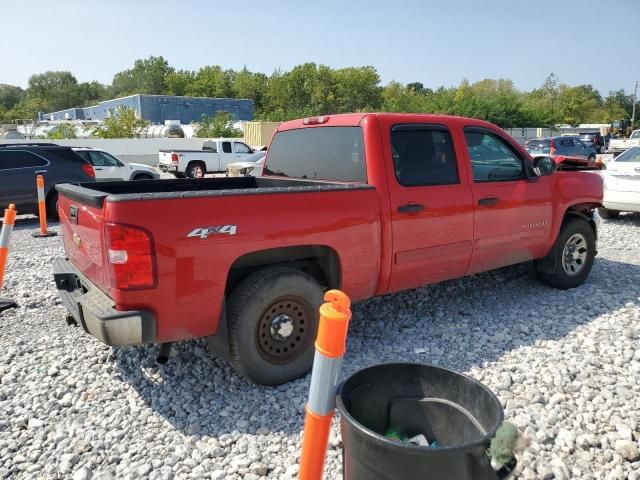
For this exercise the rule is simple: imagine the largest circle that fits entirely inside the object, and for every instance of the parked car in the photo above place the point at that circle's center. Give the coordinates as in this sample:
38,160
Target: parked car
250,166
20,164
619,145
214,157
108,167
593,139
247,259
622,184
560,146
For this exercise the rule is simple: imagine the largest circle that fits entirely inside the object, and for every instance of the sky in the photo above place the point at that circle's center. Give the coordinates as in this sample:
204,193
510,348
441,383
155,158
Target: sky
433,42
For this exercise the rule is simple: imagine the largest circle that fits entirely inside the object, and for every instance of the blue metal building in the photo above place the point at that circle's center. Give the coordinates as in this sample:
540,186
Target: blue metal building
158,108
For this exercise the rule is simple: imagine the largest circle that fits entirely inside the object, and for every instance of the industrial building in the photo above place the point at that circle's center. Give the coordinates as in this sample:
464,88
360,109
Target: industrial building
159,108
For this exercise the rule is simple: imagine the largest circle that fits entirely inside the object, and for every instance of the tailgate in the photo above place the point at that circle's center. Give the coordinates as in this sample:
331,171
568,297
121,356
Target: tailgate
81,222
164,157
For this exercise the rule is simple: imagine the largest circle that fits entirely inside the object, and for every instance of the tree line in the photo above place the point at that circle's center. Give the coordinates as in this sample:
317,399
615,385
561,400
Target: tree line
312,89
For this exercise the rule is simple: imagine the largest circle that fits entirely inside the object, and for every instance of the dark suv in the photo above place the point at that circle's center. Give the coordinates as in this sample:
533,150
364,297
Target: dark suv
20,164
593,139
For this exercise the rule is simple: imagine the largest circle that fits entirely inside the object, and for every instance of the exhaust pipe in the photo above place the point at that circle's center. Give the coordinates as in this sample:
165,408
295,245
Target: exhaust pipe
164,353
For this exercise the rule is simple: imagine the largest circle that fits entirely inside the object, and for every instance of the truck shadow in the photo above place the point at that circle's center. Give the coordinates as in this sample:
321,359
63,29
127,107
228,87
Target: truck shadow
459,324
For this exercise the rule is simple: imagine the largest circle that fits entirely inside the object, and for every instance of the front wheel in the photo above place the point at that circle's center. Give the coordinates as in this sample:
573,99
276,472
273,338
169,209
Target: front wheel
273,319
572,256
608,214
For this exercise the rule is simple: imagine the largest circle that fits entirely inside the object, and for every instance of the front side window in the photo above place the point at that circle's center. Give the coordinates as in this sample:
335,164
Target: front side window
635,134
318,153
241,148
492,159
20,159
423,155
101,159
226,147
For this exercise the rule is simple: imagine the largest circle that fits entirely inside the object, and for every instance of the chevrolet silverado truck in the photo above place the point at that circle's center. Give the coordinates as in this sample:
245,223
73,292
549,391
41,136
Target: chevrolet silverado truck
214,157
367,203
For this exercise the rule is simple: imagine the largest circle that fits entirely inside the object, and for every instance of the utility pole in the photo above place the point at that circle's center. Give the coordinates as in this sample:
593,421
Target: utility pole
633,114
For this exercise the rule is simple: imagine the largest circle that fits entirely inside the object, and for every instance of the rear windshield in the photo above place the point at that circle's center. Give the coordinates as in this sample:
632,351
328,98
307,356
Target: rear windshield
588,135
537,144
318,153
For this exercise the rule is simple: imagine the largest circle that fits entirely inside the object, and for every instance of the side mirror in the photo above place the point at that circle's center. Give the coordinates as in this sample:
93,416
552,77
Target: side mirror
543,166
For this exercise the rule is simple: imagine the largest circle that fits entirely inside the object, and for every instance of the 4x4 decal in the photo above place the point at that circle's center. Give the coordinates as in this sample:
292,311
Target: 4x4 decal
204,232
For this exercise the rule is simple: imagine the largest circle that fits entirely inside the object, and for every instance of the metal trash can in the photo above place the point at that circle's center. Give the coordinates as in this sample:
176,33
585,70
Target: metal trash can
458,413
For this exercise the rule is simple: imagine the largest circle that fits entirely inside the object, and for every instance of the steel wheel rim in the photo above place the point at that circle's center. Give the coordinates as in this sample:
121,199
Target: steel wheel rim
574,254
197,172
274,345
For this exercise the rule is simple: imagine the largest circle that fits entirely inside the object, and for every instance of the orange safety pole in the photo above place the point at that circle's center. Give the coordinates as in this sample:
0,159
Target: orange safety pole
330,348
8,222
42,210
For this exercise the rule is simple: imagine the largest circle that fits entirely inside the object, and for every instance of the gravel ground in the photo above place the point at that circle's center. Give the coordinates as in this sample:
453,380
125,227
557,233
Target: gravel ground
564,364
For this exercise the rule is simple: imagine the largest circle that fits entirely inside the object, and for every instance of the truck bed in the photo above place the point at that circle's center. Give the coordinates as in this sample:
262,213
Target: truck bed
245,214
93,194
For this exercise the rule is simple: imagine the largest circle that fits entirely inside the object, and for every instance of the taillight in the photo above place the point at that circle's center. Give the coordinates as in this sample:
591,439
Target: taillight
552,148
174,158
131,257
88,169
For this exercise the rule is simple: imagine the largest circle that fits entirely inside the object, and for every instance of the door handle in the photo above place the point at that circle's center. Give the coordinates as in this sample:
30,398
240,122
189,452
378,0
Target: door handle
95,168
488,201
411,208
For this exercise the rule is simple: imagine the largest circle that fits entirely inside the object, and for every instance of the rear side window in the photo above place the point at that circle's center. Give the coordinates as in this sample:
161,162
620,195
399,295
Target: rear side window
423,155
318,153
20,159
565,142
226,147
492,159
64,154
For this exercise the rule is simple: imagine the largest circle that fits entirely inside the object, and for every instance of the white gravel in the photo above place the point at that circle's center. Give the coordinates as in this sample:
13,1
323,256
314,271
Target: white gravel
565,365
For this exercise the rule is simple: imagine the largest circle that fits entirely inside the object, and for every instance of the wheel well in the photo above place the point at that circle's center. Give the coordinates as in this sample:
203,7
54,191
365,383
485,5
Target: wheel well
583,211
142,175
319,261
196,161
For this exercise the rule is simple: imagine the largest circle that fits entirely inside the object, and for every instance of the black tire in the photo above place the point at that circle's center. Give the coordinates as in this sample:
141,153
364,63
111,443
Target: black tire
52,205
143,176
563,275
608,214
196,170
287,296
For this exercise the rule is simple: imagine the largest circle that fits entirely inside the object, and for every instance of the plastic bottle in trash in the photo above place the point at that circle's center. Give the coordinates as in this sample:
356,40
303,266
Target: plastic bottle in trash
395,435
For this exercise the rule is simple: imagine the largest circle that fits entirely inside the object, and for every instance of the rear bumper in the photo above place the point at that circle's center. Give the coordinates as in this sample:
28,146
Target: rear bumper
167,168
623,201
93,309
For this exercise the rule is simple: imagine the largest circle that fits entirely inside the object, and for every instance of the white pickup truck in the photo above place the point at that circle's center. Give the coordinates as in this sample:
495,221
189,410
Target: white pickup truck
215,156
619,145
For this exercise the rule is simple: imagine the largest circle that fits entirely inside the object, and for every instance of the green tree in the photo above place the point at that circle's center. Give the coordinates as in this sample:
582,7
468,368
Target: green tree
63,130
210,81
147,76
123,123
246,84
10,96
179,82
218,125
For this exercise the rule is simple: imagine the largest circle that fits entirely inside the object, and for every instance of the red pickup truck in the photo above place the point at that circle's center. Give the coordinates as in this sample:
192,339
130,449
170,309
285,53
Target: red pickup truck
368,203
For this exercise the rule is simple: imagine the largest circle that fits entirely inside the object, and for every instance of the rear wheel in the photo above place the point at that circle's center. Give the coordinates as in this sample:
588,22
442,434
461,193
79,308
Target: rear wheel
196,170
273,319
608,214
571,256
